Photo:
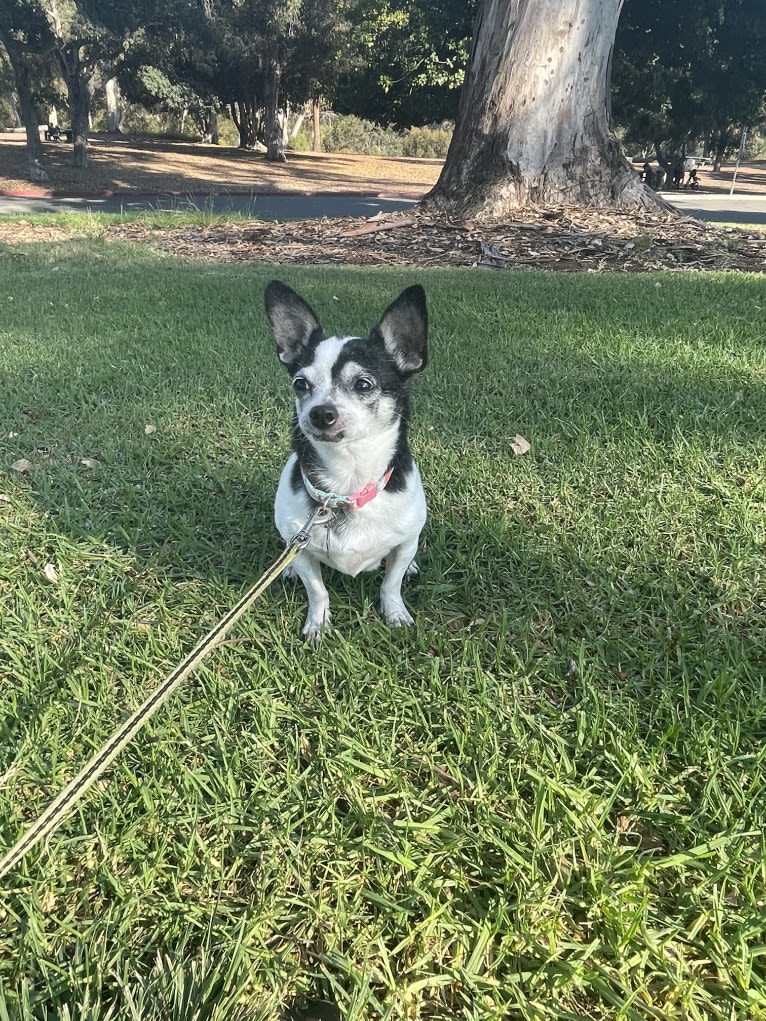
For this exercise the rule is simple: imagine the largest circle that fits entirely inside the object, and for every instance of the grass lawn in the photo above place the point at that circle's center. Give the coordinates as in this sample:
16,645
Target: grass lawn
546,800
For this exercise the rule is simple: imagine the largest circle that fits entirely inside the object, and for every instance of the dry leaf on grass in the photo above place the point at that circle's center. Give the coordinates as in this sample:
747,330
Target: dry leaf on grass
22,465
90,462
50,572
149,429
519,445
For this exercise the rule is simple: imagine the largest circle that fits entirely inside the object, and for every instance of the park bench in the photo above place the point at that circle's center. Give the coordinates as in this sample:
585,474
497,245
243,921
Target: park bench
52,133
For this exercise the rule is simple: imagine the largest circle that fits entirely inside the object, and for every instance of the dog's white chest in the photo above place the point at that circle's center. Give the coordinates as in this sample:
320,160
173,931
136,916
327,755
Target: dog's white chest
357,540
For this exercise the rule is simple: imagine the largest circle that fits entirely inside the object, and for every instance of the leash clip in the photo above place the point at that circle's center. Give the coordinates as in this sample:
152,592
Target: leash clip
322,514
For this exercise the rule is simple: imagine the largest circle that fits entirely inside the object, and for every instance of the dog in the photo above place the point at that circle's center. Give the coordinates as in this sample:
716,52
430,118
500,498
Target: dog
350,448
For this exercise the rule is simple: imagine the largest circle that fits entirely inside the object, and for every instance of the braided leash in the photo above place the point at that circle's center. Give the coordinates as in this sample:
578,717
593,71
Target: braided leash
52,817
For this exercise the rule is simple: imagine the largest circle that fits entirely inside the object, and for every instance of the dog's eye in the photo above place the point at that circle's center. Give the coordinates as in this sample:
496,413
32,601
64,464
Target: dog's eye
363,385
301,385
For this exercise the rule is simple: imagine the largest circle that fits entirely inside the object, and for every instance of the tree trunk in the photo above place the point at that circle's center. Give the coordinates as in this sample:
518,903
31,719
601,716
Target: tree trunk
533,126
79,86
294,130
243,115
23,76
210,125
113,107
316,134
79,108
275,149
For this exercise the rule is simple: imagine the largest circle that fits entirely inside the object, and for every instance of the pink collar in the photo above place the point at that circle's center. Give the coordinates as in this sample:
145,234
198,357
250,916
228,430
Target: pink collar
351,502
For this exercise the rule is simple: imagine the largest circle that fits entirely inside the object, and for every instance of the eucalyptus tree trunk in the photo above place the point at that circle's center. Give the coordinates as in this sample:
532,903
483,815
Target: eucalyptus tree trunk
113,106
316,133
533,126
210,125
275,139
79,85
23,76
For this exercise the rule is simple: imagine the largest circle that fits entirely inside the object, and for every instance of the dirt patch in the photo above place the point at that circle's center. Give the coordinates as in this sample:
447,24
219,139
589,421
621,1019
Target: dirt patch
160,167
156,167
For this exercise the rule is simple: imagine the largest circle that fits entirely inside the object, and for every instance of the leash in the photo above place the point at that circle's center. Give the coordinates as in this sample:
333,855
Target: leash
54,814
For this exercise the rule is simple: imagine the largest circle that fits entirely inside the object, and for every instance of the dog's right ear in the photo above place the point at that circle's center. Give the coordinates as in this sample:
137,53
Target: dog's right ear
293,322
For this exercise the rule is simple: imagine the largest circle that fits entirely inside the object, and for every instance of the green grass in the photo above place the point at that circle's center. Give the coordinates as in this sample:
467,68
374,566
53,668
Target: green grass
754,227
546,800
90,224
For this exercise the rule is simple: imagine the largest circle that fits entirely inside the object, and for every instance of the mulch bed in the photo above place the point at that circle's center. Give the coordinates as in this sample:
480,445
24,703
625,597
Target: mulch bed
563,239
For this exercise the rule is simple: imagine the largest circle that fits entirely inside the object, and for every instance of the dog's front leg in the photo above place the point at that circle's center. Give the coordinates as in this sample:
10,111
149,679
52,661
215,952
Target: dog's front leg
309,570
397,564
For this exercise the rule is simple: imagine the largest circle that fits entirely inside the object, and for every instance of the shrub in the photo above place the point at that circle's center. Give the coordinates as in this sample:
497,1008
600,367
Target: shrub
302,141
348,133
427,142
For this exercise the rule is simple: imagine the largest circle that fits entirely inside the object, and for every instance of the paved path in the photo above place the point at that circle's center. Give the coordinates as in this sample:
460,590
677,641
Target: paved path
737,209
265,207
734,209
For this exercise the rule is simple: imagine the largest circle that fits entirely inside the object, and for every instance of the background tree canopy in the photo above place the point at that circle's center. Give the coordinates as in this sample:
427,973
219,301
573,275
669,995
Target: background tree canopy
684,75
688,75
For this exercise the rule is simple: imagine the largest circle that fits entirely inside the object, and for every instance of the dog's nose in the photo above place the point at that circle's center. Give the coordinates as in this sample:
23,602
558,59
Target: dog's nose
323,416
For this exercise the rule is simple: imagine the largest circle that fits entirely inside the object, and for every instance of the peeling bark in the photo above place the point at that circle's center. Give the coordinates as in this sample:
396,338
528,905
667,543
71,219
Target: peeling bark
533,124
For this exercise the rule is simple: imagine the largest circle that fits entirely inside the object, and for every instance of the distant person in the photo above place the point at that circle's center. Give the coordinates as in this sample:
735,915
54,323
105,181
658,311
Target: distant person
693,181
678,174
689,164
659,178
648,175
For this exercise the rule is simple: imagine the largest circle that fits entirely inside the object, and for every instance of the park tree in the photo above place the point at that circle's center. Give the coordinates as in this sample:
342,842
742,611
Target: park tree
320,54
533,124
408,60
92,39
688,75
25,35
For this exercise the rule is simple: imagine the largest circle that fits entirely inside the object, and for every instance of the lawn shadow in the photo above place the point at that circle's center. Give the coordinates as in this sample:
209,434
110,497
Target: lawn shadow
193,497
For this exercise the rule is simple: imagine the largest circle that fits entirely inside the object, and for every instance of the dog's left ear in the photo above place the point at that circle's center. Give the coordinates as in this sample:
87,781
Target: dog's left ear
404,330
293,321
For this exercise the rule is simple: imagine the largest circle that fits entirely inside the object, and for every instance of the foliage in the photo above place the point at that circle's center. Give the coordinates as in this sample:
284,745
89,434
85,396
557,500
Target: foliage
348,133
685,74
409,60
427,142
354,134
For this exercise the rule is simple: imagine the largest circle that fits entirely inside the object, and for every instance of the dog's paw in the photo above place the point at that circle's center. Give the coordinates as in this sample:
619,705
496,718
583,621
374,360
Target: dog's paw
412,569
397,615
316,627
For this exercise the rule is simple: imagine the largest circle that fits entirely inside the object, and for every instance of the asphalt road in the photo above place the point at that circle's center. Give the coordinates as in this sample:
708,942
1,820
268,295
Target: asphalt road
735,209
265,207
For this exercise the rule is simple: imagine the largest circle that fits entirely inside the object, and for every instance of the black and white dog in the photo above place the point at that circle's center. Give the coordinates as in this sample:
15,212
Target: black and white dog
352,409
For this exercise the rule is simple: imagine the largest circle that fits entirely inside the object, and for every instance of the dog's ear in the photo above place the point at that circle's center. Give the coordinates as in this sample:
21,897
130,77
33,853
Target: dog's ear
293,322
404,330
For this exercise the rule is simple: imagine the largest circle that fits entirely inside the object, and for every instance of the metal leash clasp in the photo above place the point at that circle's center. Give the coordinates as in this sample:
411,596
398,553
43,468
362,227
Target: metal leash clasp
322,514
